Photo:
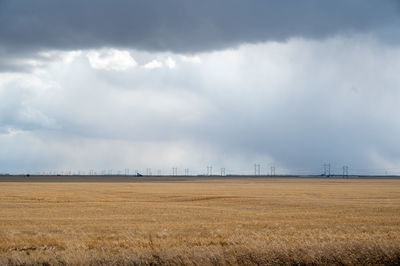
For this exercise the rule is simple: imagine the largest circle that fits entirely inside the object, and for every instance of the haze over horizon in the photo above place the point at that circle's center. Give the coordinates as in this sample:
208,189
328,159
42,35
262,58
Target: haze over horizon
161,84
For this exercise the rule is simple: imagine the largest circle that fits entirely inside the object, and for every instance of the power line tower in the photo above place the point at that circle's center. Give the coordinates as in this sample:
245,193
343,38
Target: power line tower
186,171
327,169
345,171
272,170
174,171
209,170
222,171
148,171
257,169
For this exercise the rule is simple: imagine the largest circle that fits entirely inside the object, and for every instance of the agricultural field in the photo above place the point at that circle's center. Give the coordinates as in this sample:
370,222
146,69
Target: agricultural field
240,221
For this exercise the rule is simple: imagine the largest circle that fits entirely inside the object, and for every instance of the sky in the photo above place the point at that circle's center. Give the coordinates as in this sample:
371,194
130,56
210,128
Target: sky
95,86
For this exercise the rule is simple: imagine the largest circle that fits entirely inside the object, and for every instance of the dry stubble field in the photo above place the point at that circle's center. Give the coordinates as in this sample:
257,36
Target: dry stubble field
201,221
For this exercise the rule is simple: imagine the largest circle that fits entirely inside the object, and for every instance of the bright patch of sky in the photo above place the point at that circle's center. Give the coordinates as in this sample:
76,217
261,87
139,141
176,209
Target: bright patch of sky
111,59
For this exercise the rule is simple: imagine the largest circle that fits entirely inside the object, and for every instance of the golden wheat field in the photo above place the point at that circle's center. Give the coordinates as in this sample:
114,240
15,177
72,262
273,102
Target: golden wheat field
241,221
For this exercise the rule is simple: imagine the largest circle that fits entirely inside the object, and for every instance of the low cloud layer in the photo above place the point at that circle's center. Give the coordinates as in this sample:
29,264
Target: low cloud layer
294,105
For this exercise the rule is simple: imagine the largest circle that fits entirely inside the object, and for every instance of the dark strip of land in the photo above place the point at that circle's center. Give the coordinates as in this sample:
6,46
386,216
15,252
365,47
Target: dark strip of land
165,178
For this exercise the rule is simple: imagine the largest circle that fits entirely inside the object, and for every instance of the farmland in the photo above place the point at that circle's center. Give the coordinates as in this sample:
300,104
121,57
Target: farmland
201,221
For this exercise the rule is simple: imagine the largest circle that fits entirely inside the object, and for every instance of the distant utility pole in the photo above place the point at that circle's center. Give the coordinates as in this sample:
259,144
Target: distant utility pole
272,170
327,169
186,171
345,171
257,169
148,171
222,171
209,170
174,171
126,171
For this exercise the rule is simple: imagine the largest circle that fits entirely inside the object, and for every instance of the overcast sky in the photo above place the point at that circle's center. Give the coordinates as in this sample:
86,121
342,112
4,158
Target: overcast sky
159,84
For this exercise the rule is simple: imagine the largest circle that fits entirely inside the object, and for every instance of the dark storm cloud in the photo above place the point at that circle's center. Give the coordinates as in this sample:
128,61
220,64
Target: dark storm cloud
184,25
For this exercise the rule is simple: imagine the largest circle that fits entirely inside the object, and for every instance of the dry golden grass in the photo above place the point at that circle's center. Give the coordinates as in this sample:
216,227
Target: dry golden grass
202,222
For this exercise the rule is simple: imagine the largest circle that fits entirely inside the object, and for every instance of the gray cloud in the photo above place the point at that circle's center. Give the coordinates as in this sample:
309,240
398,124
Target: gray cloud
325,89
185,26
295,105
